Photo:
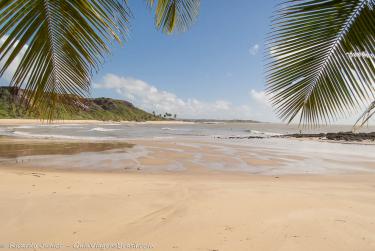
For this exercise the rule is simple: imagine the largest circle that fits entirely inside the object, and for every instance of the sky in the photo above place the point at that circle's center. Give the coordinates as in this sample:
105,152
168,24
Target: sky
214,70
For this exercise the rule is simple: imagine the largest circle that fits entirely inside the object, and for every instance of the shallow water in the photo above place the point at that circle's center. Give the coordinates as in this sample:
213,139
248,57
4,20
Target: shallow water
121,131
183,147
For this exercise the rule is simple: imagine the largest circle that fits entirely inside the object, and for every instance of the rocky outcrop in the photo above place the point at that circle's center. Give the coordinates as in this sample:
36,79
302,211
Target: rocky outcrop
340,136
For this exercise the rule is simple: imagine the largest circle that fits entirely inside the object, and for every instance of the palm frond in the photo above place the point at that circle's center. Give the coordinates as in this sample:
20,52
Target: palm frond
365,117
311,72
65,41
175,15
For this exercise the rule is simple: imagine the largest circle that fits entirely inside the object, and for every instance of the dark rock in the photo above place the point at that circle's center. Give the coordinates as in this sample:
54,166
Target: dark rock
339,136
241,137
245,137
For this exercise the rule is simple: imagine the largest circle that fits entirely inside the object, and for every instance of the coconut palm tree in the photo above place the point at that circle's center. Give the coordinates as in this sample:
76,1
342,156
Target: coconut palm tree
63,42
321,59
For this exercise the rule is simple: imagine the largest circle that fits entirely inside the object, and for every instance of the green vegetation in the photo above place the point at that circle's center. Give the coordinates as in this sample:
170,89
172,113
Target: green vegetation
321,61
12,106
65,41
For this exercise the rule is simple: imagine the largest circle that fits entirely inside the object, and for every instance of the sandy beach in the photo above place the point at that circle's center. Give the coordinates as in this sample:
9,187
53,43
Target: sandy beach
176,192
187,125
205,211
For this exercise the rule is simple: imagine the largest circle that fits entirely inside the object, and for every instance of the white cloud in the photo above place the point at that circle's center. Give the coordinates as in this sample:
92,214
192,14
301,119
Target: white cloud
254,49
8,74
260,97
150,98
261,101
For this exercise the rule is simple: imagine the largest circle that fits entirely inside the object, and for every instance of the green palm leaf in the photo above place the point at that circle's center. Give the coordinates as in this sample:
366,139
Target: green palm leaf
65,42
365,117
311,73
175,15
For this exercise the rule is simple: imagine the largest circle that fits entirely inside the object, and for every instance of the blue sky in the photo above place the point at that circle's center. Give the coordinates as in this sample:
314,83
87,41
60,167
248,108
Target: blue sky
217,63
214,70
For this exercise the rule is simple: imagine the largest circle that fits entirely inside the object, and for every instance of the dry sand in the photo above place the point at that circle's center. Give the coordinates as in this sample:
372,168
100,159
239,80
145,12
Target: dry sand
188,211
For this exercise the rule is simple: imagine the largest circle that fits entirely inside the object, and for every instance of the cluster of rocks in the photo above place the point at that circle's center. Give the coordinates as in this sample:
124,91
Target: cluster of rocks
339,136
240,137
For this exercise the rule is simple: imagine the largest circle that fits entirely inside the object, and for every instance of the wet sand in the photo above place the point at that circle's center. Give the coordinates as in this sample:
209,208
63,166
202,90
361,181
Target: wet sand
263,157
19,147
189,208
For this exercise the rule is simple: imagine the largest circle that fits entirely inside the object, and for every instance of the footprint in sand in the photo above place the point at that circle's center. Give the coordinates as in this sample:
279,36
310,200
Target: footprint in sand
37,174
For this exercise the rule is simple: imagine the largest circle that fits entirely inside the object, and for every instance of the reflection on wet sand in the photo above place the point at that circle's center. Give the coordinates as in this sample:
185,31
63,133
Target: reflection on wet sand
13,148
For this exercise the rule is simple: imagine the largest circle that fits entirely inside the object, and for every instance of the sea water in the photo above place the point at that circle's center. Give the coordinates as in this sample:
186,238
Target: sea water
216,146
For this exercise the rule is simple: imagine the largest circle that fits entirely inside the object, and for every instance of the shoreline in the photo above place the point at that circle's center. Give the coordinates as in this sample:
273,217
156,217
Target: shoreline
41,122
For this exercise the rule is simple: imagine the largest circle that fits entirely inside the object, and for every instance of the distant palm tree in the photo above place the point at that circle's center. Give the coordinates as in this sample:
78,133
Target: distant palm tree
321,60
65,41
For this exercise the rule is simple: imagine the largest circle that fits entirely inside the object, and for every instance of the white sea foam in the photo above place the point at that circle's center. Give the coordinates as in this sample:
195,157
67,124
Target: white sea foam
54,136
161,137
264,133
168,129
213,123
49,125
173,129
101,129
25,127
272,133
114,124
6,131
71,127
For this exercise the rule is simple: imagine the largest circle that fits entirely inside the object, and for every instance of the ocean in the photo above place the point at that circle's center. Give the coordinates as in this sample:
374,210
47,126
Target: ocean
124,131
231,147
